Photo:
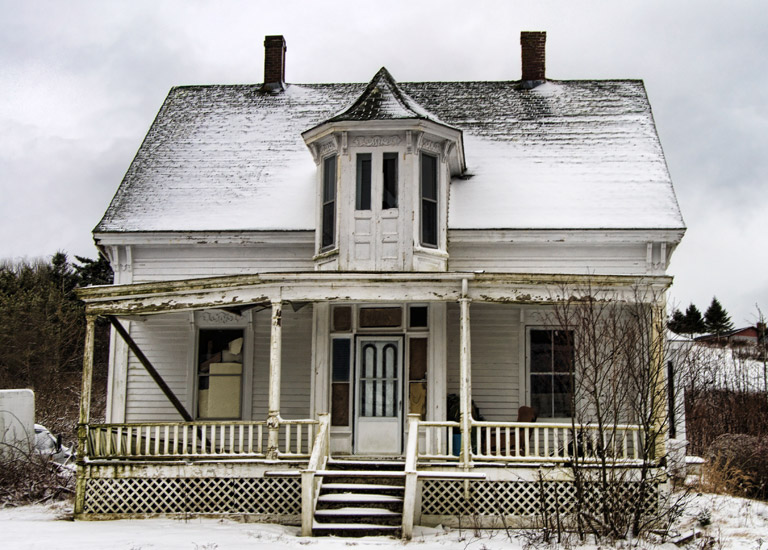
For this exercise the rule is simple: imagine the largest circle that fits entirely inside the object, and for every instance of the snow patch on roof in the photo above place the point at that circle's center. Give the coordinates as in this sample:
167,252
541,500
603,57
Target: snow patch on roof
577,154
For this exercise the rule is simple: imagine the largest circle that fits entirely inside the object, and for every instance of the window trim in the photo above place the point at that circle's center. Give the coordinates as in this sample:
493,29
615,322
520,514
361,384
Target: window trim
529,373
435,201
244,380
330,160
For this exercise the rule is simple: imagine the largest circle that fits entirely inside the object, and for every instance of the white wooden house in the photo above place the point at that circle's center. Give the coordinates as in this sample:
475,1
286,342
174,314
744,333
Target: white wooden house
295,269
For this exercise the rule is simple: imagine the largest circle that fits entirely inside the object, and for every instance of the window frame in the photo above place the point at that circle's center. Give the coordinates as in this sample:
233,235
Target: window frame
244,356
395,184
552,373
329,197
363,189
432,201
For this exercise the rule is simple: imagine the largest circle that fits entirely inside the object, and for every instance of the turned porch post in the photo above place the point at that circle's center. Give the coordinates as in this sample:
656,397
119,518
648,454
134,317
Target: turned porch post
465,381
85,413
275,367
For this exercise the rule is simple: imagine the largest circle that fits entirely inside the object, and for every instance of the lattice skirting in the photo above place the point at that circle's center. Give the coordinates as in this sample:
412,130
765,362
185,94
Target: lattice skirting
274,496
520,498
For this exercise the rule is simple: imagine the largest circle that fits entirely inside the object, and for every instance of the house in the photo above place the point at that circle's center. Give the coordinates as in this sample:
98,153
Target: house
295,268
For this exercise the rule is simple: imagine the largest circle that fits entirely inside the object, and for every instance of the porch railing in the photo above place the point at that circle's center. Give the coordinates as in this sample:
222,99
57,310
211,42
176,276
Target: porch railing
173,440
555,442
533,441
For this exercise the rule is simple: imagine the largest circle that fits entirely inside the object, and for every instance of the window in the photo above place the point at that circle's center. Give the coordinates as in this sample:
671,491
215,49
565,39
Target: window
428,200
219,373
363,194
340,392
551,364
328,238
389,165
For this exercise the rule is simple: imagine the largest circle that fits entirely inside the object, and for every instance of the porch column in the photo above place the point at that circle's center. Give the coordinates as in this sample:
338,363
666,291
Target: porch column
465,381
275,367
85,413
658,379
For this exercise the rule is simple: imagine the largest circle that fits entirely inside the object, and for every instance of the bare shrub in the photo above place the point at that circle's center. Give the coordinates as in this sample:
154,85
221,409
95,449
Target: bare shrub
738,464
27,477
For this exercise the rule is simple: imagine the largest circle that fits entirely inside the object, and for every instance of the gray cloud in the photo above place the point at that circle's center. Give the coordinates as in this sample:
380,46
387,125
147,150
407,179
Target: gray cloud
80,82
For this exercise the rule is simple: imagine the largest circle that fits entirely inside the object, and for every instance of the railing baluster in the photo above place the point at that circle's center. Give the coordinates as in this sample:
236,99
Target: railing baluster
165,443
546,441
260,445
287,438
298,438
536,441
517,442
506,441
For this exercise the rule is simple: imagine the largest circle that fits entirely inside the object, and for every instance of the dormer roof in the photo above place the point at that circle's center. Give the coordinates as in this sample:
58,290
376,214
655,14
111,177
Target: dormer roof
383,99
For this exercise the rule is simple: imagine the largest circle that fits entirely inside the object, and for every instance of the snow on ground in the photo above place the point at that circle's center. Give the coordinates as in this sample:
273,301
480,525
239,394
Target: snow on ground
737,524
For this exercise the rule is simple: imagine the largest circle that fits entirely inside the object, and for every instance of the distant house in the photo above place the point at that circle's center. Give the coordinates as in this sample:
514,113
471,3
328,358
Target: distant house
295,267
745,336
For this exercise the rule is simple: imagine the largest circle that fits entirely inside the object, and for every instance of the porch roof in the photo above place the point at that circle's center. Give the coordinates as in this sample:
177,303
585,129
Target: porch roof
240,292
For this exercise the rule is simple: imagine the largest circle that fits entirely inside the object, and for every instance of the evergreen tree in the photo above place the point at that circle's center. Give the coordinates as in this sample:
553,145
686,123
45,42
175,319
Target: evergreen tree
676,323
694,322
717,319
93,272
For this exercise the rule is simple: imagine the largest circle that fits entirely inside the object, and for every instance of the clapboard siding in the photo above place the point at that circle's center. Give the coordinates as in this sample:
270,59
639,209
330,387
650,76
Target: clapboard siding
495,358
295,381
549,257
165,340
158,263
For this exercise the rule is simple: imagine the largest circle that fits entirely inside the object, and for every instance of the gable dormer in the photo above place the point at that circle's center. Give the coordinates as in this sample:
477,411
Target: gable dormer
384,168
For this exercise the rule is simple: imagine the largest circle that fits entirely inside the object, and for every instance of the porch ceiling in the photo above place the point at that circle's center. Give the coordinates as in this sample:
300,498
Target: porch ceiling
241,291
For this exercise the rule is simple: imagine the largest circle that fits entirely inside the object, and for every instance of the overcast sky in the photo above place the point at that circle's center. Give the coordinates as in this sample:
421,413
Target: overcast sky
81,81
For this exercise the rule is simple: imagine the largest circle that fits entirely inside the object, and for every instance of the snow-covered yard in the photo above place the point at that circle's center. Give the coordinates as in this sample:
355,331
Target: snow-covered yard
737,524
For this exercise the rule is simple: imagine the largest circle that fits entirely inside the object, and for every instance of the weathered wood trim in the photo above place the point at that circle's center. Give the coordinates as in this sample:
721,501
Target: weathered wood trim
245,290
465,385
150,369
275,371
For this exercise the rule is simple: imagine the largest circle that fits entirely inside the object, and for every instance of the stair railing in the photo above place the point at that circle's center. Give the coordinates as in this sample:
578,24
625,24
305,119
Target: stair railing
411,475
310,483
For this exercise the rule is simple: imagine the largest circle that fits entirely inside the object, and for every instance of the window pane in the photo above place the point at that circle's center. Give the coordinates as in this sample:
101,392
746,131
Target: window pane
329,179
340,404
341,357
342,318
541,394
220,369
329,223
363,199
429,177
390,181
418,317
562,388
417,359
417,399
541,351
428,223
375,317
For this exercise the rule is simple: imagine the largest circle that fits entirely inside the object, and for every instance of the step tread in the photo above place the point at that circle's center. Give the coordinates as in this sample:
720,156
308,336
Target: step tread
357,497
351,511
359,473
355,526
383,462
362,487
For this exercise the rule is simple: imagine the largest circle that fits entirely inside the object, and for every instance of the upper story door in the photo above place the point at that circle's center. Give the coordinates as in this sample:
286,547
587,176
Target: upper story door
377,242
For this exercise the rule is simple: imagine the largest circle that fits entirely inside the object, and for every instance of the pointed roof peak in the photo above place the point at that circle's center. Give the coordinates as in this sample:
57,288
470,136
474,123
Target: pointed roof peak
383,99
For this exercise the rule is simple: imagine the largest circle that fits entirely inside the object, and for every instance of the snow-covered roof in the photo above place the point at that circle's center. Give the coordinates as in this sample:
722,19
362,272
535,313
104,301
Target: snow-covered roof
566,154
383,99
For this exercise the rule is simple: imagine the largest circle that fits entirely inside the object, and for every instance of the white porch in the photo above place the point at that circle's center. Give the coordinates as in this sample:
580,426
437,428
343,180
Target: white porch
289,454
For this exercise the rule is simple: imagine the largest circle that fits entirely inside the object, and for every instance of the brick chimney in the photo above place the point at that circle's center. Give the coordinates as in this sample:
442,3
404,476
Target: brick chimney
274,63
534,58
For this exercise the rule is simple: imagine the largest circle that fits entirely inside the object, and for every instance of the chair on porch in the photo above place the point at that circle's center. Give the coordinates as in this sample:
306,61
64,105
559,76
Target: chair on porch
499,447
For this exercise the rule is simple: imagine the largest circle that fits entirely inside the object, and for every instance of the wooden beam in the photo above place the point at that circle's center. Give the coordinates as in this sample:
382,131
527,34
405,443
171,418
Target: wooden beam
150,368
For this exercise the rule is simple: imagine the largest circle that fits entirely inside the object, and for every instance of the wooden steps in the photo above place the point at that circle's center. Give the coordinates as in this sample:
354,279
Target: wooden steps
360,498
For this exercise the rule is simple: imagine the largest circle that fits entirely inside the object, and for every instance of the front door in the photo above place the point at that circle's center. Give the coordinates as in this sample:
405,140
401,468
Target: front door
379,401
